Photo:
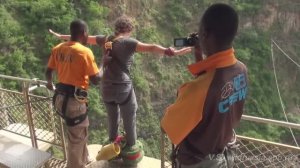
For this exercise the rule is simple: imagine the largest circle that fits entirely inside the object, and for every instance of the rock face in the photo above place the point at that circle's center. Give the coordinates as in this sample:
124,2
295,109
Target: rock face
145,163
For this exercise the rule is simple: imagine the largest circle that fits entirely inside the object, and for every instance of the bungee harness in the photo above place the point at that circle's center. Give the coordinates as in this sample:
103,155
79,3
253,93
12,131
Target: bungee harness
70,91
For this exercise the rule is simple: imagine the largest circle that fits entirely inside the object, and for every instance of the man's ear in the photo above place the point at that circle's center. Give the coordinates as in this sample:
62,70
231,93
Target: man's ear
198,54
205,34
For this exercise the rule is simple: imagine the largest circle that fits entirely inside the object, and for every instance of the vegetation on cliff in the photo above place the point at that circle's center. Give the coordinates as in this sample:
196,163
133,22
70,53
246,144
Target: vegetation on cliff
25,47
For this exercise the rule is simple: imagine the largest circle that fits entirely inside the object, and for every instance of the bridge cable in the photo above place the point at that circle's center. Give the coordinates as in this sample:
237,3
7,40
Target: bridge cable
297,64
280,99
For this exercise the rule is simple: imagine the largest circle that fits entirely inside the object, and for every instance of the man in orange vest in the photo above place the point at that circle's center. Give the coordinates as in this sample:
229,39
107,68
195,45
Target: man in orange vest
75,66
201,121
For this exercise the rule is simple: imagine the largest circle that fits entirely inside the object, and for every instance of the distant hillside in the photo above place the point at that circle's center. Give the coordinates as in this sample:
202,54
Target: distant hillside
25,46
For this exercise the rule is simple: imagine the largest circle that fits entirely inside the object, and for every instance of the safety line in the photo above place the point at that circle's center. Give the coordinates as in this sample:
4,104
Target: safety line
298,65
280,99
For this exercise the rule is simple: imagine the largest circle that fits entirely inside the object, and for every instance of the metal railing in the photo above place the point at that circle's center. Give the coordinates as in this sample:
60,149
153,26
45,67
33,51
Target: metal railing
30,116
269,121
251,152
25,80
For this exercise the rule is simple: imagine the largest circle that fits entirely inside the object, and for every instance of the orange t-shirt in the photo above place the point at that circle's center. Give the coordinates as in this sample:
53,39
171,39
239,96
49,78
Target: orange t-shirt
74,63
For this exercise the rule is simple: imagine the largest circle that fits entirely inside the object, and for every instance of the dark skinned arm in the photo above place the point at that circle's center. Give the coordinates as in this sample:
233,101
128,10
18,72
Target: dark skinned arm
95,79
49,77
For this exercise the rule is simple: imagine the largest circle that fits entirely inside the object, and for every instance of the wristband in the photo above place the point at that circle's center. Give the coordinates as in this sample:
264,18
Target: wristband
169,52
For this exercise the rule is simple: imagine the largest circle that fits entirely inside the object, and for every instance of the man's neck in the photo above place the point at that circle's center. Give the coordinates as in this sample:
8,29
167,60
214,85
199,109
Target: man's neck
217,49
74,39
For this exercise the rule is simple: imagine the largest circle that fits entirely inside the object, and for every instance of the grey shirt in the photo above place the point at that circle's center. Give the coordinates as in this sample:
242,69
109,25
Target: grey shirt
117,70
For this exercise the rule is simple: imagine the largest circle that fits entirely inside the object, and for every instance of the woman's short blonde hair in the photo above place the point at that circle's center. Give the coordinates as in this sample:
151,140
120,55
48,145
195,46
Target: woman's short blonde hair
123,24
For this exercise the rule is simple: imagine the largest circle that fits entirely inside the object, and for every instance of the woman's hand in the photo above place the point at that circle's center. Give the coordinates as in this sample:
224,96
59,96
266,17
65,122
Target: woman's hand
172,52
183,51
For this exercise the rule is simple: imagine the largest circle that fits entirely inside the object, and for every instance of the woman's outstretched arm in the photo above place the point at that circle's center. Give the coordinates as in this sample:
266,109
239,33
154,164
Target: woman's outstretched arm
91,39
157,49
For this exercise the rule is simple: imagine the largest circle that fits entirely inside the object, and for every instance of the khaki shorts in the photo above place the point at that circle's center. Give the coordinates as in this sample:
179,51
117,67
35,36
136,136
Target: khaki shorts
77,136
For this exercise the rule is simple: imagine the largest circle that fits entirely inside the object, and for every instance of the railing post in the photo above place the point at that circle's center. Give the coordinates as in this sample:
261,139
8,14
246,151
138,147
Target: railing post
162,149
3,112
62,134
29,114
52,117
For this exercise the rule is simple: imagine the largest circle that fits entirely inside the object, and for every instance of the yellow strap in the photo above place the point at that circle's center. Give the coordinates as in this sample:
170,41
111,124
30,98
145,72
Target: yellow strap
108,44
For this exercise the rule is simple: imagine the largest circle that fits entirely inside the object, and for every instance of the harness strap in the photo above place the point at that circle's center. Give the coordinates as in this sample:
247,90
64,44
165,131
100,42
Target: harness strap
76,120
69,121
174,156
128,97
108,48
64,105
123,102
54,98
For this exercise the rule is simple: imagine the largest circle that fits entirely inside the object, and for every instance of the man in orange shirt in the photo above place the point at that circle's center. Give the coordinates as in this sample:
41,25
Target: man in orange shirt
75,66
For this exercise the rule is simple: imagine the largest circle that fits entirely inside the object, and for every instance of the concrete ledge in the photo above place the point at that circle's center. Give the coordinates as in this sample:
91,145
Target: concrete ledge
147,162
12,131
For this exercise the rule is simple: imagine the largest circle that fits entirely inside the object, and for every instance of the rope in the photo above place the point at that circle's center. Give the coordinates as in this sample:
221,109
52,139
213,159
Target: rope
280,99
297,64
23,103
